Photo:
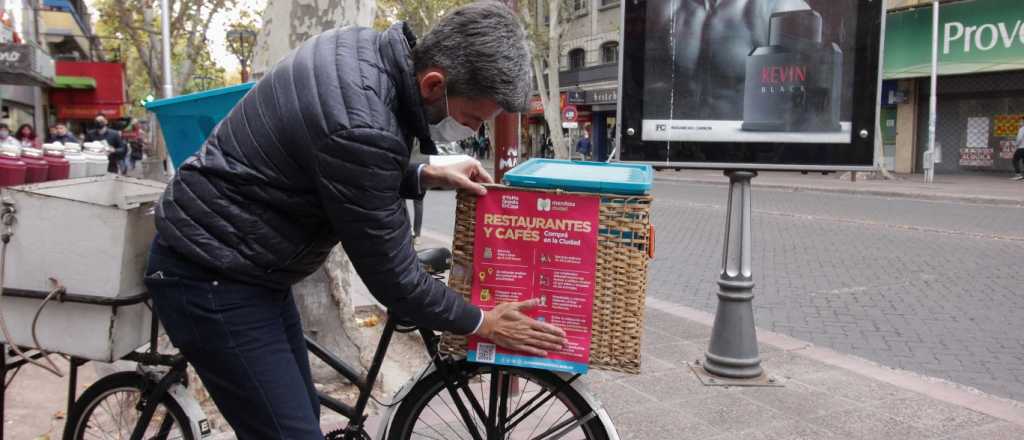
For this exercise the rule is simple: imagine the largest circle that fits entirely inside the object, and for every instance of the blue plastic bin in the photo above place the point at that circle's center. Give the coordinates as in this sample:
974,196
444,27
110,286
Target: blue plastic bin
595,177
187,120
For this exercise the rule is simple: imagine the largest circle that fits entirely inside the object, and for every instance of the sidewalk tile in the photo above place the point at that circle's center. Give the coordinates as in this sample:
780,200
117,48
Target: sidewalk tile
680,354
798,400
673,386
790,430
674,326
866,424
854,387
661,422
786,364
648,365
997,431
730,412
654,338
618,398
934,415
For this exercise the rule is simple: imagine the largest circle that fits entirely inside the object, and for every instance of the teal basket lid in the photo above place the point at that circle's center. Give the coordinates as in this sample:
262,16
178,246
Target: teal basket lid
595,177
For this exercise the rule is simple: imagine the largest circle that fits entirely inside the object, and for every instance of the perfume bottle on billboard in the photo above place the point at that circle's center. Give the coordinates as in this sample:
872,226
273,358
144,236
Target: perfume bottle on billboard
795,83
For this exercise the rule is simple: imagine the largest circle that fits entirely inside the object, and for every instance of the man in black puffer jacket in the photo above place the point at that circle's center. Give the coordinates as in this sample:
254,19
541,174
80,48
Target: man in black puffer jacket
315,154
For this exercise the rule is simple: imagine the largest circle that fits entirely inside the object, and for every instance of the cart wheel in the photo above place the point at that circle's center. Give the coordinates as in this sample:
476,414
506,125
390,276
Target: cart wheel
109,409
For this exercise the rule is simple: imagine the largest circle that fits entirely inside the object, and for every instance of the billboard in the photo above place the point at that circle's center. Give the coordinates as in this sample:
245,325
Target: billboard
750,84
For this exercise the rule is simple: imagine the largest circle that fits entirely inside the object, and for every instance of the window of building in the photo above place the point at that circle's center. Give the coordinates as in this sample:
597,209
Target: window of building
578,7
610,52
577,59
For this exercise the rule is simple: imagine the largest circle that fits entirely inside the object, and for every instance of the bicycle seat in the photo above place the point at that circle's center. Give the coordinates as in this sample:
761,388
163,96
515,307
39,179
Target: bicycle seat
435,260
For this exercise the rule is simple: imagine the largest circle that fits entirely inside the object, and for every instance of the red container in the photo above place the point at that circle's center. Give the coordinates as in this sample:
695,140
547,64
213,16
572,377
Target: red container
59,166
12,169
37,169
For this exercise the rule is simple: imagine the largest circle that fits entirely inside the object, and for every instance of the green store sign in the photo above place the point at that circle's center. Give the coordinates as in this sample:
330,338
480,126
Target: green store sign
975,36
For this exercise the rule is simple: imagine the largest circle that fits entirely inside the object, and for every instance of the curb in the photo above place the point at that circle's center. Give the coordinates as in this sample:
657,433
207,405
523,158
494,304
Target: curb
981,200
938,389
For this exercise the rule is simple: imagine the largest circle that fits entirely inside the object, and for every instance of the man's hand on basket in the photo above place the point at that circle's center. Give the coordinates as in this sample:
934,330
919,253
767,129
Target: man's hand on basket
466,175
508,327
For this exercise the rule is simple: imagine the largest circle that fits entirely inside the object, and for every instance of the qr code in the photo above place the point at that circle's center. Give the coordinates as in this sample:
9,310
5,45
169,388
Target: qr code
485,352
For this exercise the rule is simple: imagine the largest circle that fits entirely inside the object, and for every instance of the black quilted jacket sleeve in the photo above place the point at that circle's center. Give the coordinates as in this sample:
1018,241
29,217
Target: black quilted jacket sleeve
361,173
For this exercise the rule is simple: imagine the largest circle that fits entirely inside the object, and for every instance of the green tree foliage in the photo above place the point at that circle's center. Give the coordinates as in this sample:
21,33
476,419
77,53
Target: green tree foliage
132,29
421,15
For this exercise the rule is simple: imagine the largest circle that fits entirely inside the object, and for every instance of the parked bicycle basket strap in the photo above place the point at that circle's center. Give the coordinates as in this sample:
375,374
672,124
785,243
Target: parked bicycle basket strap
625,247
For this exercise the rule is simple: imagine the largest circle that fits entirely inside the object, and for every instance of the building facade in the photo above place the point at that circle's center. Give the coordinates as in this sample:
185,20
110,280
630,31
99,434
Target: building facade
588,77
980,88
52,66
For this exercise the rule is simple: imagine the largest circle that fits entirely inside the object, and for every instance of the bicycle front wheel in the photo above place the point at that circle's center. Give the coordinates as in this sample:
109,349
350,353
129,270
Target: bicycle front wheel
476,401
109,409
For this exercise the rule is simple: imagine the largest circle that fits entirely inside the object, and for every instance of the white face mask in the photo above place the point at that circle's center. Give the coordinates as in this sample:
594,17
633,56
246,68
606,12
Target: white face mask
449,130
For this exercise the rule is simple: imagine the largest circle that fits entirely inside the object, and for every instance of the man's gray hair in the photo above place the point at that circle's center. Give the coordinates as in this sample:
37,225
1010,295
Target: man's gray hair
483,51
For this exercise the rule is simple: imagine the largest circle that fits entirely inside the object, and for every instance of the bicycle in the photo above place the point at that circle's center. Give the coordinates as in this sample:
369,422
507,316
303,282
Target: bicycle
450,399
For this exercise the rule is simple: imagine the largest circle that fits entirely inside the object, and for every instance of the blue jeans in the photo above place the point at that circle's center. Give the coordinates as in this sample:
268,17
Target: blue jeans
244,341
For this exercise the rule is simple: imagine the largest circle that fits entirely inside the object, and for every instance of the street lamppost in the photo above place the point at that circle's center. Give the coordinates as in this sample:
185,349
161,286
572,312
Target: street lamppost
204,81
240,43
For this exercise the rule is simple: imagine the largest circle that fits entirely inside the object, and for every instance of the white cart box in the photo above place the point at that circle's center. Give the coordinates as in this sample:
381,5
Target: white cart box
92,235
88,331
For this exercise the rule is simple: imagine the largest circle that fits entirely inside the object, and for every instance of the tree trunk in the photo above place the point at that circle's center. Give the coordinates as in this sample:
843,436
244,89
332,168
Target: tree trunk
323,298
548,85
328,316
288,23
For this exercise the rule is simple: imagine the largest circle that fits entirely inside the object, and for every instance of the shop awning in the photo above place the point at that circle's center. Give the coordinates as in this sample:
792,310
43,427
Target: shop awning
74,82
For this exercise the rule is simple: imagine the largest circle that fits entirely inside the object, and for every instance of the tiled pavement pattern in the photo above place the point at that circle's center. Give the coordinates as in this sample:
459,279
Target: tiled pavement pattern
816,401
933,287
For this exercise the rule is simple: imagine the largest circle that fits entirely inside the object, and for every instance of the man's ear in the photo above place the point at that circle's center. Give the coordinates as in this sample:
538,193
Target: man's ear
431,83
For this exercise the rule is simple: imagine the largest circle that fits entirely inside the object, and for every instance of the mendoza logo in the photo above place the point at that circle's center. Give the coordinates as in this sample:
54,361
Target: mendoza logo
563,205
544,205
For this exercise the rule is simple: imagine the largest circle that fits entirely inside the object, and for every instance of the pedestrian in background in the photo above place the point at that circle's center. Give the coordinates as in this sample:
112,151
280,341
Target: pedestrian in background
61,134
135,138
417,156
1018,155
583,145
485,147
26,135
112,138
6,140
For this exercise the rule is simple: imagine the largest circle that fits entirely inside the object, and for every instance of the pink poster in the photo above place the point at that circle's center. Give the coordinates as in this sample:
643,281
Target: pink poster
537,245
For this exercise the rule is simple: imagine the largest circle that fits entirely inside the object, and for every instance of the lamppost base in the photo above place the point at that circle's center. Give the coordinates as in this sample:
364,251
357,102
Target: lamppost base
732,351
710,380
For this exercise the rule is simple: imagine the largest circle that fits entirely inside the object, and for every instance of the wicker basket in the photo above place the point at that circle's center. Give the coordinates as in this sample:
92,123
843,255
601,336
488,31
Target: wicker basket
625,246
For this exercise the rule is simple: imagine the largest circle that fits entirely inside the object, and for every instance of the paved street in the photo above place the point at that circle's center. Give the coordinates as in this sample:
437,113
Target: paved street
928,286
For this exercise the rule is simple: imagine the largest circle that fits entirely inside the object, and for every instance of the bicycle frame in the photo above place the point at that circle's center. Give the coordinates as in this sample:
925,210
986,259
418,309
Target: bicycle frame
355,414
357,417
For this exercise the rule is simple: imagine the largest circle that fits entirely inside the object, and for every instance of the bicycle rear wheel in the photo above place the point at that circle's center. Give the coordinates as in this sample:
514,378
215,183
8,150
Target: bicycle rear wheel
109,410
495,402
